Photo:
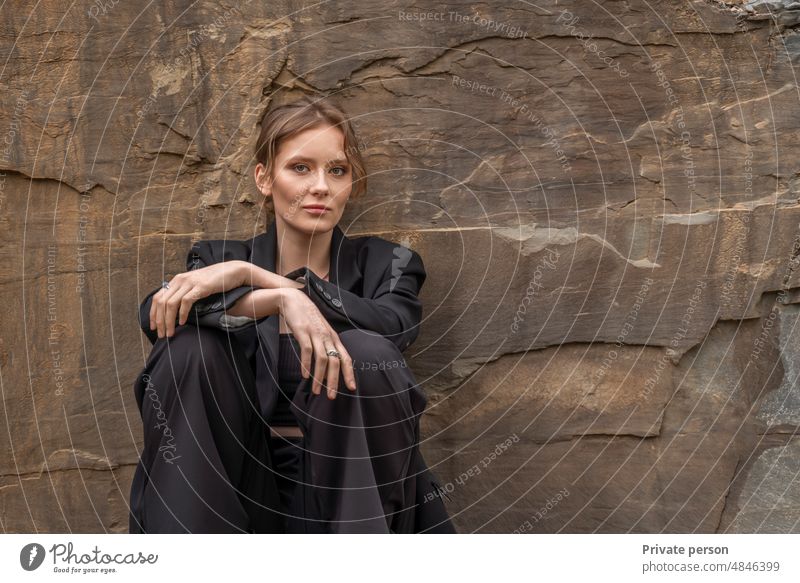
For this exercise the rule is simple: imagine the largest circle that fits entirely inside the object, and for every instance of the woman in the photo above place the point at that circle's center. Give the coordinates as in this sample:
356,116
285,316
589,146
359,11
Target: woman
238,435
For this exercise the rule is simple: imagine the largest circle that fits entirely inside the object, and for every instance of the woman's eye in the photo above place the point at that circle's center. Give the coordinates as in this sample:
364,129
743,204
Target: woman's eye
343,170
296,166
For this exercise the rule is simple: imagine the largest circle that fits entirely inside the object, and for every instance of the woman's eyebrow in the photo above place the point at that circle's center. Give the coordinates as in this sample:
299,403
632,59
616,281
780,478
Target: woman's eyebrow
306,159
299,159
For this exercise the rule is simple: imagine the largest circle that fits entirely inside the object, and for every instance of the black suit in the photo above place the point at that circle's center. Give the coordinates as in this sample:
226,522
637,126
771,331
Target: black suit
373,289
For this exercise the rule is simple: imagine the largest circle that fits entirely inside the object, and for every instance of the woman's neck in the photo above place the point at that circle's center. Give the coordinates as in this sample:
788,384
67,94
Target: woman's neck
296,249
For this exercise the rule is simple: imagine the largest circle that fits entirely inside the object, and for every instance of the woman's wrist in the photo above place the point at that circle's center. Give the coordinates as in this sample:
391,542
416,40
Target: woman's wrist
252,274
258,303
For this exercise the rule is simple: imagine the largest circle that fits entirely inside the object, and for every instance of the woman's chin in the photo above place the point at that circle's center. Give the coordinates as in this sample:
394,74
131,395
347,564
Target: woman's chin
315,226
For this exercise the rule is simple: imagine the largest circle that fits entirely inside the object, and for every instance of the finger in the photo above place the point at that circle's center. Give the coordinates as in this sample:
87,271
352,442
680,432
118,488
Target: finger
160,306
171,312
153,301
320,364
333,374
188,300
348,371
304,341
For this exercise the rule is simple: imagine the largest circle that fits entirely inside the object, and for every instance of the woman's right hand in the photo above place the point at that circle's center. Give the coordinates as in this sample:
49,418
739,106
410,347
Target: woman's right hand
316,336
186,288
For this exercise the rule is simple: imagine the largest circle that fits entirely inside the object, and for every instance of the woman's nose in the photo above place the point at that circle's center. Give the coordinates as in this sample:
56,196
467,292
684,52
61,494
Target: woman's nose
320,184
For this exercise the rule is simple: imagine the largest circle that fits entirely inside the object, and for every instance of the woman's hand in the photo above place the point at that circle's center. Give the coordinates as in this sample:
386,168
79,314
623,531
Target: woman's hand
186,288
315,337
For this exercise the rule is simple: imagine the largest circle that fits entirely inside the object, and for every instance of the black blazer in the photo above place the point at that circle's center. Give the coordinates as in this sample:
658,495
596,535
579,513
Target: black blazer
374,285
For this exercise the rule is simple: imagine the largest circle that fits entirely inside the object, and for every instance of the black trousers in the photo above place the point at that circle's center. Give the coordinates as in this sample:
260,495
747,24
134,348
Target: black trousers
208,465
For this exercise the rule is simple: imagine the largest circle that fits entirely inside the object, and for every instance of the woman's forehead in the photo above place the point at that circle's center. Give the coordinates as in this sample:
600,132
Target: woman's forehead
316,138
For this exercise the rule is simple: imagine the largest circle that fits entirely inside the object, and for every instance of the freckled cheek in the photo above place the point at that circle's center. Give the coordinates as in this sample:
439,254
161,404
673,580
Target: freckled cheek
292,187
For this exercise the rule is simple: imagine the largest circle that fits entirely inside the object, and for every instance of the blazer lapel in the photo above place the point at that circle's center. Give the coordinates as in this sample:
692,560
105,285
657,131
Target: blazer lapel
344,271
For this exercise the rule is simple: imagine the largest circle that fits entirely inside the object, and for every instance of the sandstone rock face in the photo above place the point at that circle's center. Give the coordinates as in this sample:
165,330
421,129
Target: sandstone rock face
605,196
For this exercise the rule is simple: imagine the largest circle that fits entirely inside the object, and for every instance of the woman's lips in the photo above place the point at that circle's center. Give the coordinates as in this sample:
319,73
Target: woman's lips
315,210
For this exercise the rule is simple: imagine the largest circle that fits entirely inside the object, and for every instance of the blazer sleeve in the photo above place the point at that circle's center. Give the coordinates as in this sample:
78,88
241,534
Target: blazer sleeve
208,311
390,304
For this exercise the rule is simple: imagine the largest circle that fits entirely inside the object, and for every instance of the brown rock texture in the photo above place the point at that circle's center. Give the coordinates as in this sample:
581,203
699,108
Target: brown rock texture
605,196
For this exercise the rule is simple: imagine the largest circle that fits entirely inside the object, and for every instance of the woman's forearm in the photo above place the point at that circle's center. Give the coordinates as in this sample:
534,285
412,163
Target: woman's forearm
265,279
258,303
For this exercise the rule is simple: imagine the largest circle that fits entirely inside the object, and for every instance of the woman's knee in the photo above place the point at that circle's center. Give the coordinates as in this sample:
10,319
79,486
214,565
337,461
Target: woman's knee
195,373
375,360
193,352
364,345
189,345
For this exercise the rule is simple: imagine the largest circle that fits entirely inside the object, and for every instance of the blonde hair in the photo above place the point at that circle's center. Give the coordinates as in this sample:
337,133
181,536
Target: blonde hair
284,121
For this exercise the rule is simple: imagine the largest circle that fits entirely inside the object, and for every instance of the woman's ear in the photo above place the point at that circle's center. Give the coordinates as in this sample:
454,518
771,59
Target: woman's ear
263,183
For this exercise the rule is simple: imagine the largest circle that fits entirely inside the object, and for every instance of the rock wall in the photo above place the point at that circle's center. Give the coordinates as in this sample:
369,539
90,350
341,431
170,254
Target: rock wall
605,196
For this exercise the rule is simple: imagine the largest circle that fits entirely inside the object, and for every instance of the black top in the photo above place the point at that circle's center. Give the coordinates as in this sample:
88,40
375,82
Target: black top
289,376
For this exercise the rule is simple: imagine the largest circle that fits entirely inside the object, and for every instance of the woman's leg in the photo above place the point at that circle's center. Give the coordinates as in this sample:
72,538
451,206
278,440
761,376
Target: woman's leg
431,515
205,463
363,447
286,454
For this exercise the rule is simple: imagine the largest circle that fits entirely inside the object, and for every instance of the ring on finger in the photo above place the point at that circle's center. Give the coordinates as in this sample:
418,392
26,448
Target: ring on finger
333,352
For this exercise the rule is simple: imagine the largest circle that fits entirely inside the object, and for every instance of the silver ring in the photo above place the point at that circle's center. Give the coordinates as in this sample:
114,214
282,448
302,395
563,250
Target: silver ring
334,352
165,284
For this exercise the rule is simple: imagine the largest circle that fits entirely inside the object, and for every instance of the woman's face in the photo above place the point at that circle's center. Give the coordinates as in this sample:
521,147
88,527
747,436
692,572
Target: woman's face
310,170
